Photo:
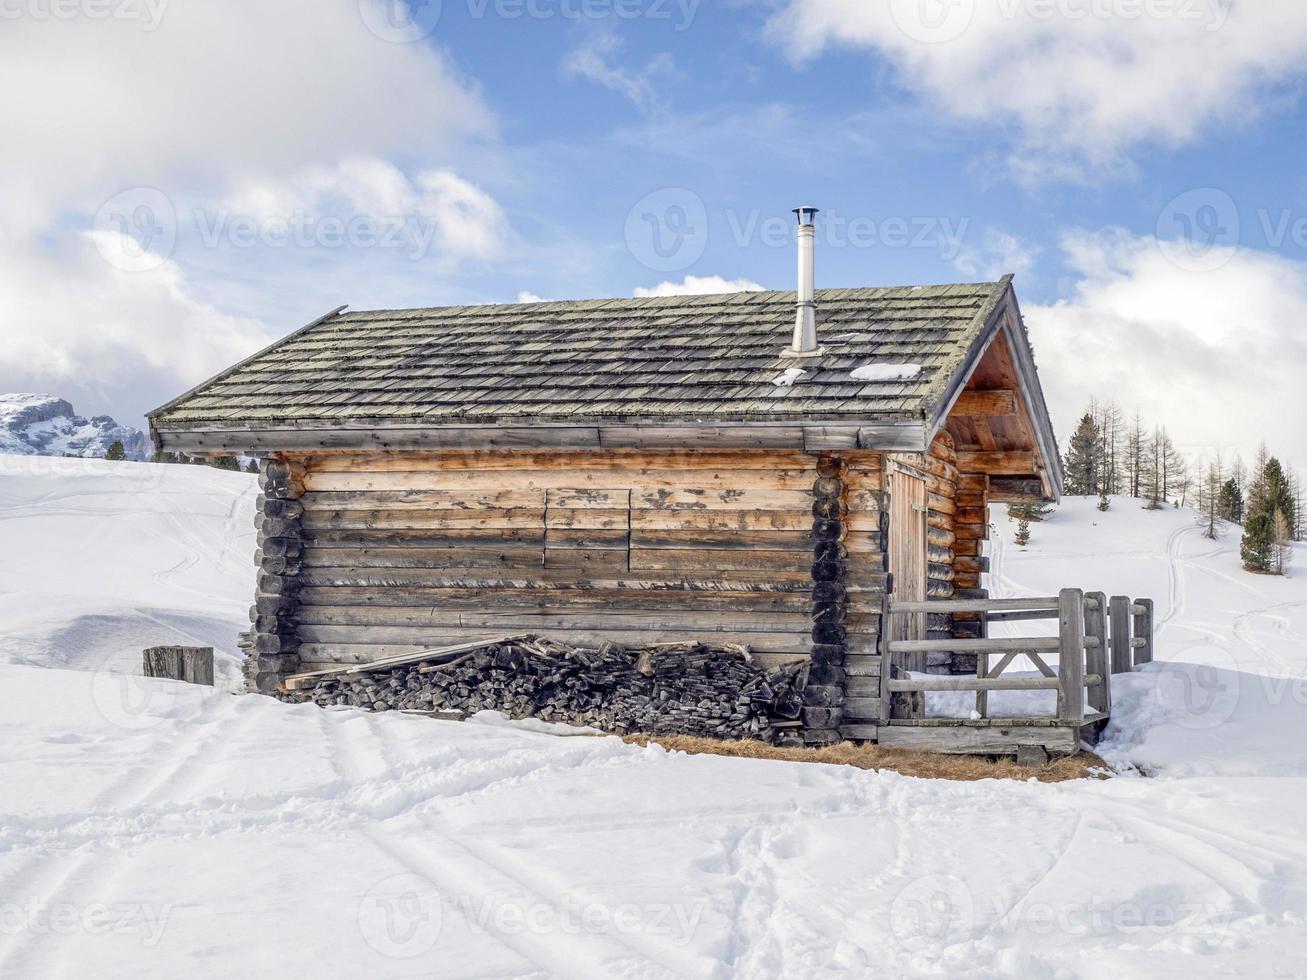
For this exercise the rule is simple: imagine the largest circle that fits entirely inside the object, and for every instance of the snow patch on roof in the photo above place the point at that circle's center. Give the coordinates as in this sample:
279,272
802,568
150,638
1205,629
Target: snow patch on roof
886,372
787,379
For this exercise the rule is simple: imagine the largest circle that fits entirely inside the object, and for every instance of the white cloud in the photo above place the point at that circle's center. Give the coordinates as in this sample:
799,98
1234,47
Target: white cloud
528,297
436,210
998,254
700,286
1216,355
1084,81
595,59
80,327
266,87
268,106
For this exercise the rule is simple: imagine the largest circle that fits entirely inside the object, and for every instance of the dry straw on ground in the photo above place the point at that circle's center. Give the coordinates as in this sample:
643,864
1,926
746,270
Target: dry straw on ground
928,765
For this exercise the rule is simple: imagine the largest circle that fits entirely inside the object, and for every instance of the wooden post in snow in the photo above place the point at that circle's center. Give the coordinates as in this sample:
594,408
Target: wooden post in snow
1071,656
194,665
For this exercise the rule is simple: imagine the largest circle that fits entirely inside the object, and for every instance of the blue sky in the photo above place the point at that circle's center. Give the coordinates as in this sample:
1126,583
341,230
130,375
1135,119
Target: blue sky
182,175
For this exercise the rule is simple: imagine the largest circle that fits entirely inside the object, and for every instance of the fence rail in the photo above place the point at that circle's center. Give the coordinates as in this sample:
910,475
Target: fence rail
1096,638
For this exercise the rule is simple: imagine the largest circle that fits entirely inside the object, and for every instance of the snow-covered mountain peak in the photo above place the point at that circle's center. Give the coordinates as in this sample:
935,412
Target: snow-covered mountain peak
45,425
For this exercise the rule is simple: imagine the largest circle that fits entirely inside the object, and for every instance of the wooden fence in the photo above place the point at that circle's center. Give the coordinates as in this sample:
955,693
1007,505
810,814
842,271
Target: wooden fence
1096,638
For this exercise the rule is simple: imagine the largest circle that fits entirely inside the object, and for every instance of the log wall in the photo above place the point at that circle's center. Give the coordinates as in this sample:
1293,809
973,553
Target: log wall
398,552
865,514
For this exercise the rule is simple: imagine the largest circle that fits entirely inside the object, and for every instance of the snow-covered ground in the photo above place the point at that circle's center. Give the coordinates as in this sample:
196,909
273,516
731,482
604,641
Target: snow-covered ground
154,829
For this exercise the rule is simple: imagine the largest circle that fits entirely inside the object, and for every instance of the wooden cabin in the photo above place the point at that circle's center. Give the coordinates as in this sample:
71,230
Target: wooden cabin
633,470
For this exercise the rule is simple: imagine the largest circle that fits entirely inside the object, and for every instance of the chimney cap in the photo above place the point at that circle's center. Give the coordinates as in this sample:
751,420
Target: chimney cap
807,214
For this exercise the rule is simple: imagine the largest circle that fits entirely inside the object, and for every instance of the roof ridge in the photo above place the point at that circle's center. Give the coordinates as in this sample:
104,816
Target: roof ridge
694,299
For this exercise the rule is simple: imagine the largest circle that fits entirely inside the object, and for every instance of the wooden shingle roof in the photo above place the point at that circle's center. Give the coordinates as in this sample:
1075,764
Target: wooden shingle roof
691,360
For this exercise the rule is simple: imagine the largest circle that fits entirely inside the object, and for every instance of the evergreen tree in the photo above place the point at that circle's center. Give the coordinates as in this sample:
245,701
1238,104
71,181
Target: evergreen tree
1023,533
1229,505
1104,502
1255,493
252,466
116,450
225,463
1258,543
1082,458
1278,495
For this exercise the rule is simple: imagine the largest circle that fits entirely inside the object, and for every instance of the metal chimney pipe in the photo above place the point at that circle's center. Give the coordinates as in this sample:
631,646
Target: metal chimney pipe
804,343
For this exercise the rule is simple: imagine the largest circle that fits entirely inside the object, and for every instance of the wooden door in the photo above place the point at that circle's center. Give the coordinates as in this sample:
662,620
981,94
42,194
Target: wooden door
907,557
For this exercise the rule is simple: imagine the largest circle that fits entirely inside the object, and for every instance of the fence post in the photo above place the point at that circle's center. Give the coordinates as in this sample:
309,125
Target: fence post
1143,610
1100,695
1071,656
1122,654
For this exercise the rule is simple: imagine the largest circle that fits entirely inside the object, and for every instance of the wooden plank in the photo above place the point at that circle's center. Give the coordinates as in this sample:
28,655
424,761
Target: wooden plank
863,686
863,709
558,599
992,645
571,480
741,521
428,520
689,559
794,644
1097,657
462,538
367,618
590,539
1009,490
794,541
465,500
961,740
992,463
1143,630
1071,656
703,579
1122,654
863,666
999,401
482,557
598,519
972,684
1049,604
609,460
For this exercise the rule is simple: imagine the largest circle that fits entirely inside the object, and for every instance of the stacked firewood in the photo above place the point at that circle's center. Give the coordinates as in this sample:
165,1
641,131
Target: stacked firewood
683,689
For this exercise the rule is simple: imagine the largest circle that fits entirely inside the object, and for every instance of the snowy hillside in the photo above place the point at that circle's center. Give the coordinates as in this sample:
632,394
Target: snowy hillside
152,829
43,425
102,559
